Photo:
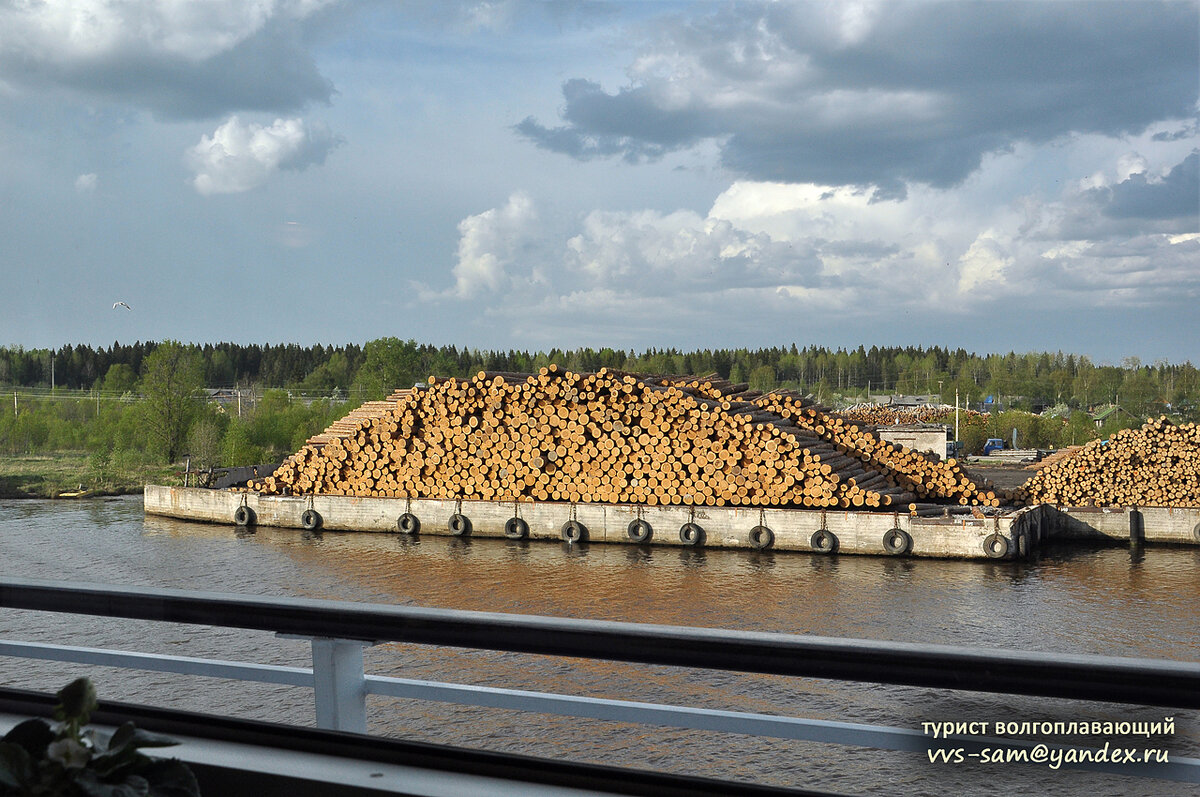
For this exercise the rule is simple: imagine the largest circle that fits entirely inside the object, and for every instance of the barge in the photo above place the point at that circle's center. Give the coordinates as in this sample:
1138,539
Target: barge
1000,536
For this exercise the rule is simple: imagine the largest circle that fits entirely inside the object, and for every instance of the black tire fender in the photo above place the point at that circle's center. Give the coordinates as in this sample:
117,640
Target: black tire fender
310,520
574,531
459,525
640,531
516,529
823,541
897,542
761,538
244,516
408,523
692,534
995,546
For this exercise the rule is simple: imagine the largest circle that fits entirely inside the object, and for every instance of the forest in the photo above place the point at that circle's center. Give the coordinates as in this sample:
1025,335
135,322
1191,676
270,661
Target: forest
230,404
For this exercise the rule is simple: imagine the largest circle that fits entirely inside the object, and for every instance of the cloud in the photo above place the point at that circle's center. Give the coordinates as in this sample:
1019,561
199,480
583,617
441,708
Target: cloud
884,95
182,59
239,157
490,243
86,183
1175,196
805,259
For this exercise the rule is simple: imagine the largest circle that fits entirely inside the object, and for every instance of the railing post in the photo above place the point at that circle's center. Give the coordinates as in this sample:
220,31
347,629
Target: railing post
341,693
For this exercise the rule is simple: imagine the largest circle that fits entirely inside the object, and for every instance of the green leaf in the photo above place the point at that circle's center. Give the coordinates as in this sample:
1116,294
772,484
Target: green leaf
132,786
121,749
143,738
16,767
33,735
171,778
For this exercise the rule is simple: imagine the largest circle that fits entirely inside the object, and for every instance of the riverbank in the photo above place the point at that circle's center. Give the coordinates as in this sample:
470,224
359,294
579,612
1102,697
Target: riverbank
74,475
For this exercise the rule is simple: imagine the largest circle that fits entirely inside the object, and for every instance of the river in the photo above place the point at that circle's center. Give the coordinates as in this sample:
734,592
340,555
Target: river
1110,601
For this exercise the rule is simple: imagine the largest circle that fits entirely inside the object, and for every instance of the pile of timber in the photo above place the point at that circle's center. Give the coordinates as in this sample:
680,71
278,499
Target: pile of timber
924,474
1156,465
1054,459
889,415
613,437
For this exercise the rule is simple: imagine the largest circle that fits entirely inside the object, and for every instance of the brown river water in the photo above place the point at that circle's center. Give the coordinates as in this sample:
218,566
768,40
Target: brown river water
1110,601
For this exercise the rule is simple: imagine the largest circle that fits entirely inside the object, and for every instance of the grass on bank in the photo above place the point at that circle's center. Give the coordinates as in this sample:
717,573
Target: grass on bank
50,475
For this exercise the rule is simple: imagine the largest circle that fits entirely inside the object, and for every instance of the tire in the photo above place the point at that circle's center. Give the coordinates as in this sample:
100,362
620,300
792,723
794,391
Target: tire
761,538
574,531
691,534
408,523
823,541
897,542
1196,532
995,546
459,525
1023,545
516,529
640,531
310,520
244,516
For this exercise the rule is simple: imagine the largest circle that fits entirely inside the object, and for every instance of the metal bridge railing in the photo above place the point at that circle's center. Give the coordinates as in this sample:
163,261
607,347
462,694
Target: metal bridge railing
339,632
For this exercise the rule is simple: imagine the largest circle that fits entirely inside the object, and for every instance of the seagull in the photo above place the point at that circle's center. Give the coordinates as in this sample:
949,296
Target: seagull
121,304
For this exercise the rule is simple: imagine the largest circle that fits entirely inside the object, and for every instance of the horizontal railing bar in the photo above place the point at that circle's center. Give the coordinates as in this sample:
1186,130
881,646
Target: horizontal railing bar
1100,678
795,728
651,713
154,662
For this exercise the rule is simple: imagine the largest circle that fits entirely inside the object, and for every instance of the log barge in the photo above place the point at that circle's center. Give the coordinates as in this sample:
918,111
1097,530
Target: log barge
636,458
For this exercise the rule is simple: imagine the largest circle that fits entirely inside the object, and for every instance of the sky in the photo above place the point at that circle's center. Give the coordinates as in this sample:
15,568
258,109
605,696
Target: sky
996,176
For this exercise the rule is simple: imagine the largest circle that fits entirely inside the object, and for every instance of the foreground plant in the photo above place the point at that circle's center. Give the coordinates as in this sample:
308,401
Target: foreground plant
38,759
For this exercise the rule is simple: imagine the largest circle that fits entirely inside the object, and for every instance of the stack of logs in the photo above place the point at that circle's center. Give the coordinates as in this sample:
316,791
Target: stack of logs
1156,465
612,437
925,475
1053,459
887,415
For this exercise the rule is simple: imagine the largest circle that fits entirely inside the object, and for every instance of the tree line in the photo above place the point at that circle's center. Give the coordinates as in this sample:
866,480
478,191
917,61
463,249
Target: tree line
166,411
1030,381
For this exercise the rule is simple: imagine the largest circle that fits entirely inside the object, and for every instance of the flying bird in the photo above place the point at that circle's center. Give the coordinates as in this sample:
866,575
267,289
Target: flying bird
121,304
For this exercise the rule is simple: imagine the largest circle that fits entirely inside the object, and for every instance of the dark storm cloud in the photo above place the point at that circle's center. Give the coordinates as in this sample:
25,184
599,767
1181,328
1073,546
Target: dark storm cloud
1176,196
628,124
918,93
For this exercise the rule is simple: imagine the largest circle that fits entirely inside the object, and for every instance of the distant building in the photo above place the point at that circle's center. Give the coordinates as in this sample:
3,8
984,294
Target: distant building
908,401
930,437
222,395
1112,412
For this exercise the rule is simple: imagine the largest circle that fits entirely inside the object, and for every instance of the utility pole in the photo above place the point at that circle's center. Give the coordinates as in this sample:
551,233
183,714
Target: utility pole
956,415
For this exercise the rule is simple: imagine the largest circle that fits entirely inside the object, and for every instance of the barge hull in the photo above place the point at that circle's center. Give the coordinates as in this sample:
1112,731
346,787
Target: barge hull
1009,536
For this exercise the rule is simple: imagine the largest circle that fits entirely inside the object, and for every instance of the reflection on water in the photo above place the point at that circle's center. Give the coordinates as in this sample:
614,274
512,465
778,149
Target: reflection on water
1113,601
